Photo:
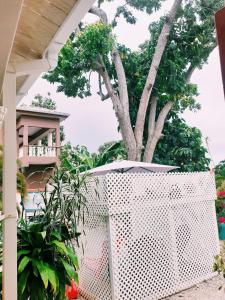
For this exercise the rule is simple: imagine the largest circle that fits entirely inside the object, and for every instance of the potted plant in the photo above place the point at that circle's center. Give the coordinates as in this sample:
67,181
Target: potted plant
47,263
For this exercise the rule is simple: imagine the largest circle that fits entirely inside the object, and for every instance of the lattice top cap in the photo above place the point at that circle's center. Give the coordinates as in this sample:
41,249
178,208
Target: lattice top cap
125,166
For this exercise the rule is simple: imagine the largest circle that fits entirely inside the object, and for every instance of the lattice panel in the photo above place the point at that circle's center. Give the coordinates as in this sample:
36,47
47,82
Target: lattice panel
148,235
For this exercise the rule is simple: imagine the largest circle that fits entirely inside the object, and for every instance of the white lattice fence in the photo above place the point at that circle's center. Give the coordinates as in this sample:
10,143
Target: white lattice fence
148,235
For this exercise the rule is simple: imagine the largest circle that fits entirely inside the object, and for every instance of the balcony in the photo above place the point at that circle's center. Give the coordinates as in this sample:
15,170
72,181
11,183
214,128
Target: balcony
38,155
39,151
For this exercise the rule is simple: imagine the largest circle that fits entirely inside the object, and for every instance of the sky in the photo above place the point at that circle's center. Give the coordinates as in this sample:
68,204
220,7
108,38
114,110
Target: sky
92,122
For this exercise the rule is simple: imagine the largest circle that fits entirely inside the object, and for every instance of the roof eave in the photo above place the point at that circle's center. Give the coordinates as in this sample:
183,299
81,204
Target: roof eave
50,55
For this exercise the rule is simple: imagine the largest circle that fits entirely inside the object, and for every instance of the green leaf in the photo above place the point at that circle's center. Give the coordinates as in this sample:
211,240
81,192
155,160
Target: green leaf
24,262
53,279
47,275
37,292
21,252
22,282
42,271
57,235
60,246
73,257
70,270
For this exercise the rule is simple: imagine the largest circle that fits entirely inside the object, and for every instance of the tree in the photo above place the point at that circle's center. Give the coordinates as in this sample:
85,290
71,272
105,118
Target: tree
79,157
148,85
182,146
220,174
44,102
220,169
49,103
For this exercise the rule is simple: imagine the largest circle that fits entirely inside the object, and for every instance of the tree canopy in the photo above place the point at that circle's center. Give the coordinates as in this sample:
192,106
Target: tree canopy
148,86
49,103
43,102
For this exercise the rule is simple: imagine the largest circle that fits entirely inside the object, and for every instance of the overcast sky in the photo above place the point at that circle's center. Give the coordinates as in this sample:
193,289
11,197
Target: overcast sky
92,122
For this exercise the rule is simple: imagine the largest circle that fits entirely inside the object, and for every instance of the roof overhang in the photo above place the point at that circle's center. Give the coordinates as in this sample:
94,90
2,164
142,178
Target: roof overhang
41,113
220,28
32,33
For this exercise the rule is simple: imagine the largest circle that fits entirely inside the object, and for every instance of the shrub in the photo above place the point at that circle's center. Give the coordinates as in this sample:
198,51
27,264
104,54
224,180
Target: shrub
46,256
45,263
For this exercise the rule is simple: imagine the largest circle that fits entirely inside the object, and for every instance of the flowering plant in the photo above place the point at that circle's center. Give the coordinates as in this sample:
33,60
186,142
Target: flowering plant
71,290
221,220
221,194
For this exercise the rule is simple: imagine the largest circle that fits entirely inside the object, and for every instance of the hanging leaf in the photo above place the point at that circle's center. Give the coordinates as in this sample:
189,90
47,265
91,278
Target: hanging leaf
24,262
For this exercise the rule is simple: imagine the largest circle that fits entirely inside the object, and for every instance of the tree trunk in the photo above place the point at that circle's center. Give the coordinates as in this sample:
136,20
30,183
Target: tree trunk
120,100
125,125
154,135
160,48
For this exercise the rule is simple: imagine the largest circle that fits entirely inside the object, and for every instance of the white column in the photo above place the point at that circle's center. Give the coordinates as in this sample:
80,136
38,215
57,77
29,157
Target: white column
9,190
50,139
39,148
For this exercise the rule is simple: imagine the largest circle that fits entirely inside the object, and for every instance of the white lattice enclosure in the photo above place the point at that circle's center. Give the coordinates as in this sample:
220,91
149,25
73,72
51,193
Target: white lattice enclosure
147,235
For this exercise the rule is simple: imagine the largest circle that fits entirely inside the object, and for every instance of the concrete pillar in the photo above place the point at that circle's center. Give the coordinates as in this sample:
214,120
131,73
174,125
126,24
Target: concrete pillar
9,190
39,148
50,144
58,141
17,141
25,143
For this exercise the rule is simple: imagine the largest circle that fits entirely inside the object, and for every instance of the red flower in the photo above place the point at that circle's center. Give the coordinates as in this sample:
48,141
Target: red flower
221,194
222,205
72,290
222,219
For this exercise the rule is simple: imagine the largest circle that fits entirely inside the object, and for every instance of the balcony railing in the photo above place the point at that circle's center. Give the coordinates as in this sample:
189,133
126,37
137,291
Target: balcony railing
39,151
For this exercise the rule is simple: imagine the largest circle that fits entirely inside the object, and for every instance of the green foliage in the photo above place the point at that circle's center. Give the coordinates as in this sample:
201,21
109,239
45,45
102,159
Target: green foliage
220,169
127,14
45,263
95,40
46,256
77,59
44,102
182,146
80,157
220,175
149,6
65,203
49,103
190,43
219,264
21,184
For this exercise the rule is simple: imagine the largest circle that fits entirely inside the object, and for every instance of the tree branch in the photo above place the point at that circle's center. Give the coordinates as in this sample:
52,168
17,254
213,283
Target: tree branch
189,73
97,11
122,82
113,94
159,50
152,116
100,93
153,140
122,99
